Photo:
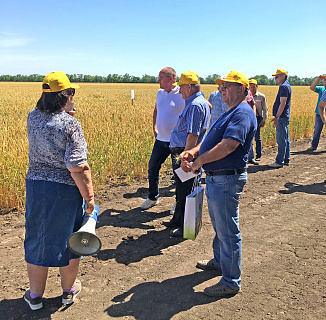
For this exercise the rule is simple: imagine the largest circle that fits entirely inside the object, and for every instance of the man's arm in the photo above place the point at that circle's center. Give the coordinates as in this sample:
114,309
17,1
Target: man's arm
220,151
314,85
279,111
191,141
154,122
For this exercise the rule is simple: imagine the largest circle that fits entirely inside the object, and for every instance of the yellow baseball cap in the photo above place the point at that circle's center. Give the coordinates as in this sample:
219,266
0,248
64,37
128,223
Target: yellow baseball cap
253,81
279,71
58,81
234,76
189,77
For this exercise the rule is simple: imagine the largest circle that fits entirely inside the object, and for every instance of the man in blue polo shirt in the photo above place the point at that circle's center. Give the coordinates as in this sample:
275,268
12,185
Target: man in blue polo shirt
281,120
223,154
188,132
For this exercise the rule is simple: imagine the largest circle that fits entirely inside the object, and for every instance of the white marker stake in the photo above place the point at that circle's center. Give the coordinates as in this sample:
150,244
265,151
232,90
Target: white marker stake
132,96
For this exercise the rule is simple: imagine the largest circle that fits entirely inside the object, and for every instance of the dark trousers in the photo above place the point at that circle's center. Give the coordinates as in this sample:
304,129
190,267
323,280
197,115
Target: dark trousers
183,189
160,152
259,145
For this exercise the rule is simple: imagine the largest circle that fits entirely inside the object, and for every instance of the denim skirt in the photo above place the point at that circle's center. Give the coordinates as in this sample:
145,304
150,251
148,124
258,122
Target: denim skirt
53,212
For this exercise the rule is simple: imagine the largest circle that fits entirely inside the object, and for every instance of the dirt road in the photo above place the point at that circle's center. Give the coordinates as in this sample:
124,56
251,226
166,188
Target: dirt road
141,273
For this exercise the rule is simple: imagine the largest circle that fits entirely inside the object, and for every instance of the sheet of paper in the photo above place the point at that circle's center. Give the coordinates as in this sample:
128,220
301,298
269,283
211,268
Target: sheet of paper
184,176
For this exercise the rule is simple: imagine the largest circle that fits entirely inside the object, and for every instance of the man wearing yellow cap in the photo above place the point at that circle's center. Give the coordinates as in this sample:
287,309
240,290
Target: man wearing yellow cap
223,154
188,132
281,120
261,114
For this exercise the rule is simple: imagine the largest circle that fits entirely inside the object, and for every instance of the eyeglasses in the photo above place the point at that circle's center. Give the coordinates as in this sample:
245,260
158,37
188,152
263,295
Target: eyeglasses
228,84
280,75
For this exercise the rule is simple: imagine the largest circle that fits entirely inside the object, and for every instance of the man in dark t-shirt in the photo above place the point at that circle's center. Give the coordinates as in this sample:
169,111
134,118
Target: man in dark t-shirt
223,154
281,120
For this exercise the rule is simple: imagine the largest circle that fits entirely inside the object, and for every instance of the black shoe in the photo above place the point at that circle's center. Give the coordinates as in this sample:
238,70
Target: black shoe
178,232
258,158
35,303
170,224
253,161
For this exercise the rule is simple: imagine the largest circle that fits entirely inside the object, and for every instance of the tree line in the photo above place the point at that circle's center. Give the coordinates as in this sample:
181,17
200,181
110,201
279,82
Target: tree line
126,78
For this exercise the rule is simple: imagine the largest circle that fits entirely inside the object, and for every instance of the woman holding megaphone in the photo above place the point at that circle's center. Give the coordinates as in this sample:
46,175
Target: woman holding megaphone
57,181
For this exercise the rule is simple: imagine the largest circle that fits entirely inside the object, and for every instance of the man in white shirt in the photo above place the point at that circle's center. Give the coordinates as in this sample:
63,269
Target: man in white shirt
169,105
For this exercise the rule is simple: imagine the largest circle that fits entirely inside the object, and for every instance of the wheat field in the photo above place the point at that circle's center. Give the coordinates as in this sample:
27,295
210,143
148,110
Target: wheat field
119,134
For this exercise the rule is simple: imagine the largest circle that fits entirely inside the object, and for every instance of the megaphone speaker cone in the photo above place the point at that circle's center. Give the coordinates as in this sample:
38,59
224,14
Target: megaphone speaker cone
84,243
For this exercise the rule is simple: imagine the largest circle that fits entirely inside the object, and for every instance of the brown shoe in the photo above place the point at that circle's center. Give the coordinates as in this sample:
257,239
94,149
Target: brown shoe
208,265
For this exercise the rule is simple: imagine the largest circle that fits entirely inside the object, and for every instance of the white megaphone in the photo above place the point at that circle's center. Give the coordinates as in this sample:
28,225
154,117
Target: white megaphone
85,242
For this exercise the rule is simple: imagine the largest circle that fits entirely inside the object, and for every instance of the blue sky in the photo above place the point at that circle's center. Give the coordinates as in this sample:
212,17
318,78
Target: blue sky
141,37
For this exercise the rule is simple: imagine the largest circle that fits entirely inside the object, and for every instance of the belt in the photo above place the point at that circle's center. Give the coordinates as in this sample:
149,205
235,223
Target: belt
226,172
177,149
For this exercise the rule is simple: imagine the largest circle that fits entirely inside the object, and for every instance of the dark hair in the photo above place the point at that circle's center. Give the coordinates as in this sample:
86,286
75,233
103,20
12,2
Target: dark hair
286,77
53,102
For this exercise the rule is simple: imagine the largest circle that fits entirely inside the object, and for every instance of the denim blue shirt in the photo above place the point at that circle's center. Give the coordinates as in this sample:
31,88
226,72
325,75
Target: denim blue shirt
193,119
283,91
218,106
239,124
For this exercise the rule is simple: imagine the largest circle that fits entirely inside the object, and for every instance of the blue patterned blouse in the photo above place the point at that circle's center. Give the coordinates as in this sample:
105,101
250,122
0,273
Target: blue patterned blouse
56,144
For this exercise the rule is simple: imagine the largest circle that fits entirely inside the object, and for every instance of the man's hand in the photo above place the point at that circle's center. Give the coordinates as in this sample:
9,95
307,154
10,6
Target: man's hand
186,158
275,122
262,124
155,133
196,165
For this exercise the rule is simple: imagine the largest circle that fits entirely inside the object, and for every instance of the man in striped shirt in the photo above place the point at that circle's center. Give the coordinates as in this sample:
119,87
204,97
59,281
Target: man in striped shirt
188,133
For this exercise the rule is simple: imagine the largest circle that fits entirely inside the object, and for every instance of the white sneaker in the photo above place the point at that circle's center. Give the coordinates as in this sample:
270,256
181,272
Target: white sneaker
275,165
148,204
172,211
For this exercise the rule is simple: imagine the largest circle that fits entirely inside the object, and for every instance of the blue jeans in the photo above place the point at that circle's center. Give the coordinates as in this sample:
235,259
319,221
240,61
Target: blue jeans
223,194
317,131
283,141
160,152
259,146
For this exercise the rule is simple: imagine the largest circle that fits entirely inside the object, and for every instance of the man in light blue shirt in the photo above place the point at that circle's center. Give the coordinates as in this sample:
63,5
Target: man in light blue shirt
318,121
218,106
188,133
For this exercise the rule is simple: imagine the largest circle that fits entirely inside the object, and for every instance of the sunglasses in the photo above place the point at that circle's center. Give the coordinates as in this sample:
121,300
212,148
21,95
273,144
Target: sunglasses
228,84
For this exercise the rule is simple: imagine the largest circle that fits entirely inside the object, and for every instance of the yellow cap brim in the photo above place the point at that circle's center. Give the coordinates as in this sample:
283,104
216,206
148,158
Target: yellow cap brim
221,81
175,84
